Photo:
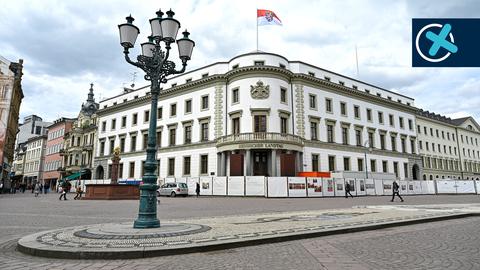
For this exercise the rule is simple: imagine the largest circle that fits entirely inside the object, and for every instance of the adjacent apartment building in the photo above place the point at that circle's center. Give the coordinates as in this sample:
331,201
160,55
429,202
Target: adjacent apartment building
449,147
79,141
54,167
34,160
11,96
261,114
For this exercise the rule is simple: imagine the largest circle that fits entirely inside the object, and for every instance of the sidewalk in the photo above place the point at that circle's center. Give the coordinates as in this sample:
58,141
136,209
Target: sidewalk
120,240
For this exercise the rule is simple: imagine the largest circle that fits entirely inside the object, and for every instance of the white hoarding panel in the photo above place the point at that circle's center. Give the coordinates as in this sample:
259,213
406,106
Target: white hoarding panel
255,186
360,187
446,186
417,186
277,186
328,187
379,187
192,185
219,186
297,187
314,187
236,186
431,187
181,180
467,186
370,187
206,186
339,187
477,183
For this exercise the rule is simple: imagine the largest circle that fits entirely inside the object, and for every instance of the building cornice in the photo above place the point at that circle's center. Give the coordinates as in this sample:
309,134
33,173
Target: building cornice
256,71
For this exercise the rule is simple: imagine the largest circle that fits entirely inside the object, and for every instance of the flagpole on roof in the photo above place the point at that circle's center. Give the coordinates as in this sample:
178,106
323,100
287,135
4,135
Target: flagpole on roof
356,59
256,18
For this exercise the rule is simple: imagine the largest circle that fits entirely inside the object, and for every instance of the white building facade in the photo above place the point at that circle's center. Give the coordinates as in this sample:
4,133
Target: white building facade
449,147
261,114
34,160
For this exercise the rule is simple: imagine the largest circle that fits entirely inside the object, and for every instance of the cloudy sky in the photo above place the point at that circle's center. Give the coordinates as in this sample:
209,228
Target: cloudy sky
66,45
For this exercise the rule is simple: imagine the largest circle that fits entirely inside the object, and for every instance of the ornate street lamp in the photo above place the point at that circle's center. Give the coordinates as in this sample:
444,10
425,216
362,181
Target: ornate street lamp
154,62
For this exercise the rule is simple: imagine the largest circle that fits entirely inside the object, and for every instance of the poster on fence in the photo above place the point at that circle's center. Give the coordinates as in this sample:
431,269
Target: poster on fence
360,187
297,187
206,186
236,186
339,187
314,187
255,186
328,187
387,187
277,187
370,187
417,186
219,185
402,187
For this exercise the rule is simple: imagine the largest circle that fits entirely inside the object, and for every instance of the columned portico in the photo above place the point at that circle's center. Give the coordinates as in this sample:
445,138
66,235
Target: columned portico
260,153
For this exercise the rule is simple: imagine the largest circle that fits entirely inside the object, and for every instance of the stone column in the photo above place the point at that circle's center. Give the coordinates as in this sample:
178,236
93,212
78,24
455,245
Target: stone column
223,171
274,163
115,165
247,164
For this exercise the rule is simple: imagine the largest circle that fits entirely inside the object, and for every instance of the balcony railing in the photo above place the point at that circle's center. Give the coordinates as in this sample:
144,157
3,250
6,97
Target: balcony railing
260,137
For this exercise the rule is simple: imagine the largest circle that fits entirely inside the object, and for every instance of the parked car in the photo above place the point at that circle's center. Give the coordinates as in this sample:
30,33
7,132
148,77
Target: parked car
173,189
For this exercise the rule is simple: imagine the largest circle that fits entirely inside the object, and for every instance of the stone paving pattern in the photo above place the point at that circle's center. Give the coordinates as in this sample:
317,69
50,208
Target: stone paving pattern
452,244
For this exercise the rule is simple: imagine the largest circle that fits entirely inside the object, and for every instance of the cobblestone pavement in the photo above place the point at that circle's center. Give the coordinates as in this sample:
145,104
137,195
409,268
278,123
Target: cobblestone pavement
450,244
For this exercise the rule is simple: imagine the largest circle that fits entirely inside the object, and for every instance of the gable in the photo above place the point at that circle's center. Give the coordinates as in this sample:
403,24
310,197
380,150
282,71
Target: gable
470,124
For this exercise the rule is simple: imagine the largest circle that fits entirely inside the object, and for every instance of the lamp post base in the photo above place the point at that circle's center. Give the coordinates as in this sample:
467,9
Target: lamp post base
147,215
145,224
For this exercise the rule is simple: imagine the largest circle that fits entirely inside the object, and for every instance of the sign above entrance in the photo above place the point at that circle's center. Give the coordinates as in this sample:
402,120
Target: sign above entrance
261,145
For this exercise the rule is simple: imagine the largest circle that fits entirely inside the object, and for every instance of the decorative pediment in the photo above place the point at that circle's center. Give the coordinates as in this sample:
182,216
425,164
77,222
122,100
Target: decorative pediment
260,91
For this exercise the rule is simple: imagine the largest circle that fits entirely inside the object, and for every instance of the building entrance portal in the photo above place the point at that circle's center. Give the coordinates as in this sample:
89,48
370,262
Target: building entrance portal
260,163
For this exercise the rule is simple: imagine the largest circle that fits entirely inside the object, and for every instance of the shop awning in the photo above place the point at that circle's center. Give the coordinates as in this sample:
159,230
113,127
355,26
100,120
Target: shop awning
73,176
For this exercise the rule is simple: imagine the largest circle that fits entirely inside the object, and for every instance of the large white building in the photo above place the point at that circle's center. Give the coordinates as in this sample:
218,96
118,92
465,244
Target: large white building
449,147
261,114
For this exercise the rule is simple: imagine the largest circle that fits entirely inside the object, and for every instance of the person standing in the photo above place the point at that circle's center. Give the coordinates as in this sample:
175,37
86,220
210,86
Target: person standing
396,187
197,189
37,189
347,190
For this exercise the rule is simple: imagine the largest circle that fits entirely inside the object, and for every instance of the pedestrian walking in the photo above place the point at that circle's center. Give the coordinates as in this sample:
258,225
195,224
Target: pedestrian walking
396,187
63,192
347,190
197,189
79,192
36,189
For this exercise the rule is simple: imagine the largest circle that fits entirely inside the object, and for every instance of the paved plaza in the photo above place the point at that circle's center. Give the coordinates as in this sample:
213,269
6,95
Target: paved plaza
450,244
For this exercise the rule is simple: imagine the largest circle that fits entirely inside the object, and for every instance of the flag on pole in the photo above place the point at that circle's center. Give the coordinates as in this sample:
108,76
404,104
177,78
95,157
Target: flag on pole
267,17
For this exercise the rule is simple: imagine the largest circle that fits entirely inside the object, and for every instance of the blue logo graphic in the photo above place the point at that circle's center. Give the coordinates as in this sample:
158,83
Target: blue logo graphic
440,41
445,42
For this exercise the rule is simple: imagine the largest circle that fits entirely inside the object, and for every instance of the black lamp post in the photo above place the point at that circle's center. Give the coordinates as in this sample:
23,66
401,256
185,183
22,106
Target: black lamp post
154,62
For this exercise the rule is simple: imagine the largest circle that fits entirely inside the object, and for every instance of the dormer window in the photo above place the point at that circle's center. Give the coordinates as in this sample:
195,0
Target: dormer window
341,82
282,66
311,74
235,66
259,63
